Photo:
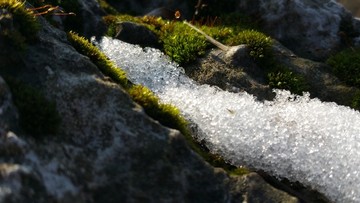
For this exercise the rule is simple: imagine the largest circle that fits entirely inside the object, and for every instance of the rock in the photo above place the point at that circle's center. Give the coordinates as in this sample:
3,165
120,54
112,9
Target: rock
91,13
233,71
107,149
254,189
322,83
137,34
8,112
158,7
308,28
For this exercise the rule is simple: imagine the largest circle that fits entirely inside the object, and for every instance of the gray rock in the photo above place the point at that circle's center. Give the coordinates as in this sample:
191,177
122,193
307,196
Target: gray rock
252,188
92,14
137,34
322,83
233,71
310,28
8,112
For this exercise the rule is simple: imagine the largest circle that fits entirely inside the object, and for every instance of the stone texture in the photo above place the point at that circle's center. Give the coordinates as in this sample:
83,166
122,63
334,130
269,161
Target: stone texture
137,34
237,72
92,18
311,28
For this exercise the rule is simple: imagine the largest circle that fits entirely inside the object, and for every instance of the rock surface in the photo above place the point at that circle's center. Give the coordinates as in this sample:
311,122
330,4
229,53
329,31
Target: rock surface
91,14
107,149
312,29
137,34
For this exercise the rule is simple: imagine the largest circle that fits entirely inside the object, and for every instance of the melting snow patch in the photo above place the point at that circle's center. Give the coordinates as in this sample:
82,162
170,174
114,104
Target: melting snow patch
302,139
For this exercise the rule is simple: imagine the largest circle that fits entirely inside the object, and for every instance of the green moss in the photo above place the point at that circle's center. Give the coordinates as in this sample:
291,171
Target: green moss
38,116
101,61
240,171
182,43
166,114
285,79
346,66
258,43
24,26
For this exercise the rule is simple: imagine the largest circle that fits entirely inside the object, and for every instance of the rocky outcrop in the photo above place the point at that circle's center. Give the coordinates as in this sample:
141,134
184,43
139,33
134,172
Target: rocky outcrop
137,34
107,149
91,14
238,73
311,29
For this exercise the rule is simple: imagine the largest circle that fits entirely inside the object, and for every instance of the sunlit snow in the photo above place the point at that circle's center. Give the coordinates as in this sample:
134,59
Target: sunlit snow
303,139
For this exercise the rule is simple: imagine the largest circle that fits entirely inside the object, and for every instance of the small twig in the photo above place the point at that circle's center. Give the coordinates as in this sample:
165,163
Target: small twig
210,39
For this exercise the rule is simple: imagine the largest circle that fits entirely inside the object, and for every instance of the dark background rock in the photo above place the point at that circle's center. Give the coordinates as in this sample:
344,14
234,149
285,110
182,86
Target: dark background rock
137,34
91,14
309,28
352,5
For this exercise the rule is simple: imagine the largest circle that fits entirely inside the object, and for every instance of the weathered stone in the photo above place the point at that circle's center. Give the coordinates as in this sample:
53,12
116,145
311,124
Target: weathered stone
92,18
137,34
309,28
8,112
322,83
252,188
232,71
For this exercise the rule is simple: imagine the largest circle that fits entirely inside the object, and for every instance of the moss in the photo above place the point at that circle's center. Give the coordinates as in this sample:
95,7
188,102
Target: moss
24,27
346,66
240,171
38,116
182,43
166,114
101,61
259,44
286,79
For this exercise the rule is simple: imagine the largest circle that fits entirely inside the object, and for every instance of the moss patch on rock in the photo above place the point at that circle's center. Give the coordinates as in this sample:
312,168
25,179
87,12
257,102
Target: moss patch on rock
283,78
184,45
346,66
106,66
